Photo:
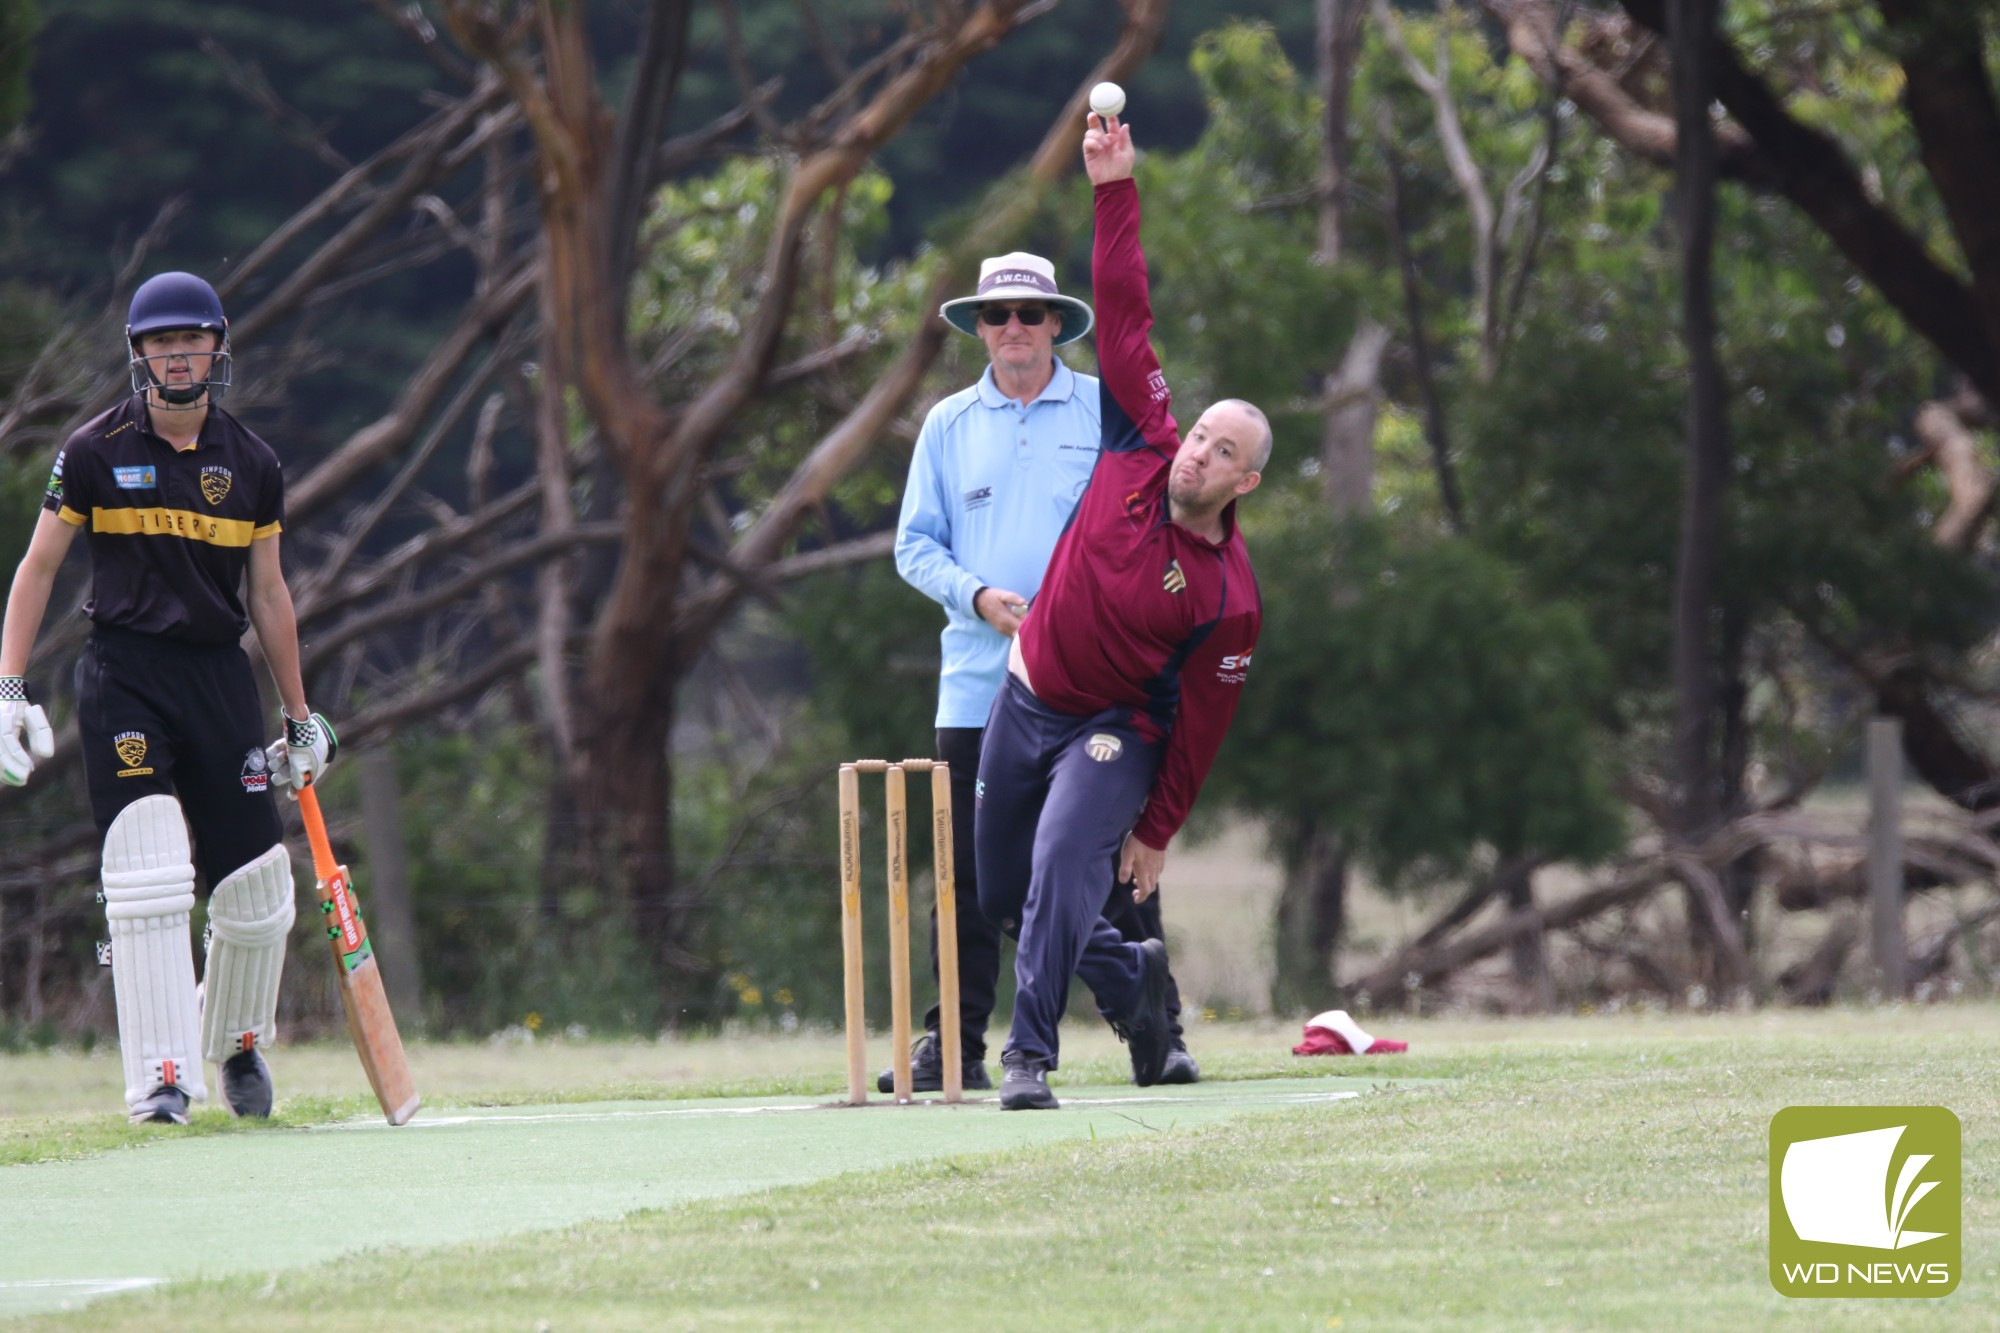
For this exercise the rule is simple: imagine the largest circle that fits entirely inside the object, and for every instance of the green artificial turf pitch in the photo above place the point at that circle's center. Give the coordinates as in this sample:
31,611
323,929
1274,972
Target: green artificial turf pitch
210,1206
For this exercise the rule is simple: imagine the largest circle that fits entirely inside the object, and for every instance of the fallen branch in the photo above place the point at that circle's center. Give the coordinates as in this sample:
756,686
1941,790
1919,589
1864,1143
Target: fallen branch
1419,965
1811,980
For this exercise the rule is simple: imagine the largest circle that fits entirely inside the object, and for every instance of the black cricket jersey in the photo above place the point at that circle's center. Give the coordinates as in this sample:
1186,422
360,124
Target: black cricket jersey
170,531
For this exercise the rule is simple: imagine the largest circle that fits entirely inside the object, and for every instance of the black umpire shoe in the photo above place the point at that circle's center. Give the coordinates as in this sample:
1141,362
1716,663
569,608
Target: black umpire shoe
246,1084
166,1105
927,1070
1145,1029
1024,1084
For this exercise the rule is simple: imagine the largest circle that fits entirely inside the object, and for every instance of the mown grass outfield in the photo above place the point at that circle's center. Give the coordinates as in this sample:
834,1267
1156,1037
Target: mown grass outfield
1602,1172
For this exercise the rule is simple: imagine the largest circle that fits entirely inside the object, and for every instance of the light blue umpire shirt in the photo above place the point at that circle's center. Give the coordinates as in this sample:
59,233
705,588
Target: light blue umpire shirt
992,485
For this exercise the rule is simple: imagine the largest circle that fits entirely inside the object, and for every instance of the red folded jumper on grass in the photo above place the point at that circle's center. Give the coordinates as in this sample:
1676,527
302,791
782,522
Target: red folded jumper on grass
1334,1033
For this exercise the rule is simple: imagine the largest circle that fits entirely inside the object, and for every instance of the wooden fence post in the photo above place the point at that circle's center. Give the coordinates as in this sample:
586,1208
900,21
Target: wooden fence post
1885,851
385,894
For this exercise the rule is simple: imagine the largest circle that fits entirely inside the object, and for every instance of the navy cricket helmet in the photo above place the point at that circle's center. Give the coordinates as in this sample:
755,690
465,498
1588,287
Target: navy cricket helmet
169,301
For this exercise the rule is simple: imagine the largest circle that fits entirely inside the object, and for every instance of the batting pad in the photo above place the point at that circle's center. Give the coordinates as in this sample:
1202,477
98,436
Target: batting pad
148,897
250,913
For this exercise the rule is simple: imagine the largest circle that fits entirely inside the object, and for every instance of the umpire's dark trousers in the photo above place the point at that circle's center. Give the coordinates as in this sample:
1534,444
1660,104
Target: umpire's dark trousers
978,938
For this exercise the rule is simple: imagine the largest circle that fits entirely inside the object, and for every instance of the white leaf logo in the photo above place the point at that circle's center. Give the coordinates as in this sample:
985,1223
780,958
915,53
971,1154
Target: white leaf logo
1836,1190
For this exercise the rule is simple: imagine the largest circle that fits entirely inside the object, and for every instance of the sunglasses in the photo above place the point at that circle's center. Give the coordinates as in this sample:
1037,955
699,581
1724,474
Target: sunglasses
997,317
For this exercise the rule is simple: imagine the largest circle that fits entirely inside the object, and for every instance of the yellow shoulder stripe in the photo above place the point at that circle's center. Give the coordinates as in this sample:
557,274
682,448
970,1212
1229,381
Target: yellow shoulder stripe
72,517
155,522
268,530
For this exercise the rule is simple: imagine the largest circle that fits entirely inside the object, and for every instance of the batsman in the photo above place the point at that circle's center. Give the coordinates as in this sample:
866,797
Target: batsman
183,507
1123,681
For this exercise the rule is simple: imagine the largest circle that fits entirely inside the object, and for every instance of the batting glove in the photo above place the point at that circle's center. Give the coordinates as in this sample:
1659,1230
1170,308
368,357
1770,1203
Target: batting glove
297,758
17,716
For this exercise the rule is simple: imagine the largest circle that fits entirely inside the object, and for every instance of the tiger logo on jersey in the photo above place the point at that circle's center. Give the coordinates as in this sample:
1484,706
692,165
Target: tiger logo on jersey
1174,581
215,483
131,747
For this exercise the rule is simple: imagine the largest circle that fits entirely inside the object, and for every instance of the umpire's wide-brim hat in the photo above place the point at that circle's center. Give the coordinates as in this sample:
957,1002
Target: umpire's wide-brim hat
1019,277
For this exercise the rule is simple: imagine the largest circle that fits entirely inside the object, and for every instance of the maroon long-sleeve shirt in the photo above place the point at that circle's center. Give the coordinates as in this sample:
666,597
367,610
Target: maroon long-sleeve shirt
1135,610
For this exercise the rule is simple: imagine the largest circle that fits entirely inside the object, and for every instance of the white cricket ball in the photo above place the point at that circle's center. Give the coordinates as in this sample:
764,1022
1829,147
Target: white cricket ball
1107,99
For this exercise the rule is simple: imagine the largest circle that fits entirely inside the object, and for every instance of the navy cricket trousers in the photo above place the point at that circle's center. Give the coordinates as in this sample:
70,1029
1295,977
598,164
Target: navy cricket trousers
1056,796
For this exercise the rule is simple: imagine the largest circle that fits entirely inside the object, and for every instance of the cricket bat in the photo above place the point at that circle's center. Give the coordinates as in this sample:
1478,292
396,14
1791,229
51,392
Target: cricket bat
369,1021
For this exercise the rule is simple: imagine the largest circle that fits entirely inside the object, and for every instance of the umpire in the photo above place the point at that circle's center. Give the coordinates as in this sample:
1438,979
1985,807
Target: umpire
997,471
183,507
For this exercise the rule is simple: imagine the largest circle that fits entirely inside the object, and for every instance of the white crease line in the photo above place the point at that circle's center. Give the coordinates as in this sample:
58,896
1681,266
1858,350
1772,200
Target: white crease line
582,1117
94,1286
439,1122
1268,1099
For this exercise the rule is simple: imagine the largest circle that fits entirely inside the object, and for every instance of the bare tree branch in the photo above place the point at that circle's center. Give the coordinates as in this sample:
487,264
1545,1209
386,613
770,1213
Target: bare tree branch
642,123
1535,31
738,56
247,78
425,167
1948,93
329,570
555,613
382,438
469,581
1524,266
352,186
1767,147
403,562
1948,443
1420,346
1347,438
684,150
1337,42
427,704
1464,170
829,55
824,360
410,19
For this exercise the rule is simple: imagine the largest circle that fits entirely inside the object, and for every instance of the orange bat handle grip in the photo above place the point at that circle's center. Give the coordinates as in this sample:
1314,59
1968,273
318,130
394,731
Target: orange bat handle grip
324,866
